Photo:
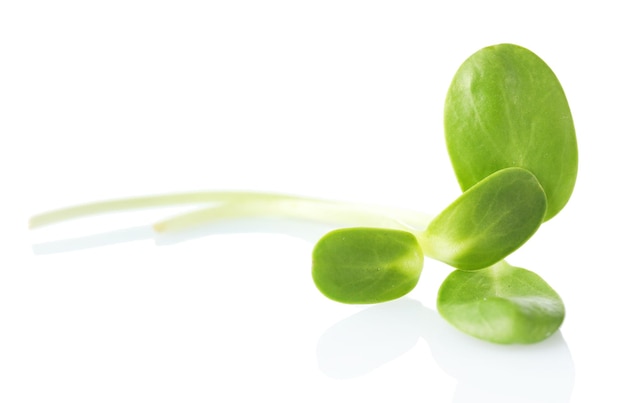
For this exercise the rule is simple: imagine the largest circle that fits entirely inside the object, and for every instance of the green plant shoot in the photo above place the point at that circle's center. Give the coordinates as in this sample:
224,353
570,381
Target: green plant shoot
512,144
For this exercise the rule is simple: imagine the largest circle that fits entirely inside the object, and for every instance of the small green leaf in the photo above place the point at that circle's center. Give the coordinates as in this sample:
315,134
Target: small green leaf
506,108
366,265
487,222
501,304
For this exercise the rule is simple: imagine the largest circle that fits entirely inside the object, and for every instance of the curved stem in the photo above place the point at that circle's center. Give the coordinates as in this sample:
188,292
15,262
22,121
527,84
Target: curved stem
233,204
133,203
330,212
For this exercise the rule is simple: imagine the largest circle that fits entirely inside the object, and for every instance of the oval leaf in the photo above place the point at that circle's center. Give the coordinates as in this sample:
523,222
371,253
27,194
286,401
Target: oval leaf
366,265
501,304
487,222
506,108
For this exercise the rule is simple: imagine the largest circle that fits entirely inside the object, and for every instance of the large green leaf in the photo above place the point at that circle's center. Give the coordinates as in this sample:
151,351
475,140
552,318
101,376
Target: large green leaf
488,221
366,265
501,304
506,108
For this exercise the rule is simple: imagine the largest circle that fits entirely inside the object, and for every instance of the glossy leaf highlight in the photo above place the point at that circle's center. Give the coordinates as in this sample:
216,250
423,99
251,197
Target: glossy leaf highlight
501,304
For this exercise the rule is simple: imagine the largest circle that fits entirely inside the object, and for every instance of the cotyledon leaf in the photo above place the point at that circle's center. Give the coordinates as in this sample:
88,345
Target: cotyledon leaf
366,265
501,304
487,222
506,108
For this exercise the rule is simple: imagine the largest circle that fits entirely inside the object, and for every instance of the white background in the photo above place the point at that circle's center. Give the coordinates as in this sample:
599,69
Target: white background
333,99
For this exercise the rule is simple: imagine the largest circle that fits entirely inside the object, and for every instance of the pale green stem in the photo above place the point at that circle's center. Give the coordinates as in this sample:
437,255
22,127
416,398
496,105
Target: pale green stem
230,205
329,212
134,203
248,204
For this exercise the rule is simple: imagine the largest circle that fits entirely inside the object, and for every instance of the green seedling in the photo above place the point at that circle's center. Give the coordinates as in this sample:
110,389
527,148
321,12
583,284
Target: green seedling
512,144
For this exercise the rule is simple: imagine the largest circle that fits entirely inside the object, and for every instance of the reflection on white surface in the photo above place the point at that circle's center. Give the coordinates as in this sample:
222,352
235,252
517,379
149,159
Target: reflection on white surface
485,372
94,241
308,231
369,339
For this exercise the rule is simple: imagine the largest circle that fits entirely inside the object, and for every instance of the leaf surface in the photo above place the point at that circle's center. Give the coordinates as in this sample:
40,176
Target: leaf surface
487,222
506,108
501,304
366,265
